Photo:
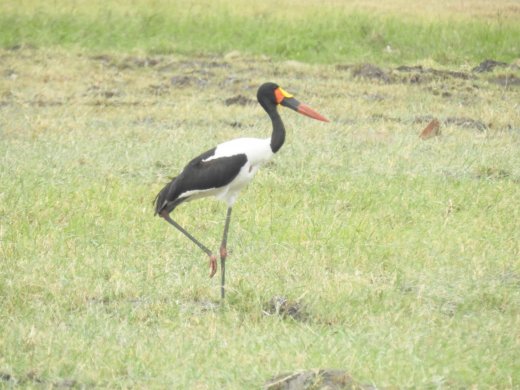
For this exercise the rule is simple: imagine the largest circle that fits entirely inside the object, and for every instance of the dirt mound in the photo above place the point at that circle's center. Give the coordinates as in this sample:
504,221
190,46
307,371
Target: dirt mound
369,71
466,122
188,81
32,379
240,100
128,62
416,74
439,73
488,66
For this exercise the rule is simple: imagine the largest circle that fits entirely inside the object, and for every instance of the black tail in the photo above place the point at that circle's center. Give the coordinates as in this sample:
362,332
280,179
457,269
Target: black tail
161,200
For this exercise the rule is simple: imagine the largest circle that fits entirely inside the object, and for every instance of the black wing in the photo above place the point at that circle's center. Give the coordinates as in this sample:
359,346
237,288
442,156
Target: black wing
199,175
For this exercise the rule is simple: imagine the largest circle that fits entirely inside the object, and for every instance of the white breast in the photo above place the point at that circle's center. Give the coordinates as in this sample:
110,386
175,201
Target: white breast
258,152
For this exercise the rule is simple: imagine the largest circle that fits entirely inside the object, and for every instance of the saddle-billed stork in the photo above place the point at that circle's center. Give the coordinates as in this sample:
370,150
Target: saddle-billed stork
224,170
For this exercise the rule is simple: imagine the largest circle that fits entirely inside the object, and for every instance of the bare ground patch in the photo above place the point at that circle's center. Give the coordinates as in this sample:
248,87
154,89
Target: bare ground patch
239,100
418,74
34,379
323,379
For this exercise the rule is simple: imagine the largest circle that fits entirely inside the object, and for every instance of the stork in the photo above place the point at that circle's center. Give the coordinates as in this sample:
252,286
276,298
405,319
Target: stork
224,170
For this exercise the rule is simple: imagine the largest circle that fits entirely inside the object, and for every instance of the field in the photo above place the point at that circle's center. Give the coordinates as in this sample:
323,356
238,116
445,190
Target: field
361,247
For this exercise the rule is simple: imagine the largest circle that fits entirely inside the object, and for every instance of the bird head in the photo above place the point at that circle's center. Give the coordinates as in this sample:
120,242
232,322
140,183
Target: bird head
271,95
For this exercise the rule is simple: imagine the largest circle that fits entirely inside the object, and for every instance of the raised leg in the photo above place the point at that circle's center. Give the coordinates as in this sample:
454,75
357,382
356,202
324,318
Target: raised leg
212,257
223,254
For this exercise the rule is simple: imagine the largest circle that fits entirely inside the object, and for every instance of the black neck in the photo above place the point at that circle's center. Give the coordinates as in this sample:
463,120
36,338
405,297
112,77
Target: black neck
278,135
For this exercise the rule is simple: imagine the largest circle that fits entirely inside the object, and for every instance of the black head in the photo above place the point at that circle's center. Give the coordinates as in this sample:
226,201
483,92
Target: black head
266,95
270,95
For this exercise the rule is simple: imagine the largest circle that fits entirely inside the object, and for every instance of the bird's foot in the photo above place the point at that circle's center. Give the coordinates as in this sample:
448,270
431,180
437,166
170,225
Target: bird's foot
223,252
213,265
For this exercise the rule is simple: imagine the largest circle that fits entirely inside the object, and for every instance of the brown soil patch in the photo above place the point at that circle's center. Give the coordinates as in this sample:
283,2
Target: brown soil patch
239,100
488,66
420,73
188,81
466,122
33,379
369,71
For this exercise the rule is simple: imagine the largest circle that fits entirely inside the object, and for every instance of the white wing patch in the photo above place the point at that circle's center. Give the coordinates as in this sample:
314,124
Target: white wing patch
257,150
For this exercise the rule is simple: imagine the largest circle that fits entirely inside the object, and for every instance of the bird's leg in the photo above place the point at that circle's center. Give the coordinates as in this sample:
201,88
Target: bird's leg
223,254
212,257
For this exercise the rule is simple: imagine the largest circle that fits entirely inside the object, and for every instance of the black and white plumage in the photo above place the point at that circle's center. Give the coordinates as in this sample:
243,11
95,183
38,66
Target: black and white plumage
224,170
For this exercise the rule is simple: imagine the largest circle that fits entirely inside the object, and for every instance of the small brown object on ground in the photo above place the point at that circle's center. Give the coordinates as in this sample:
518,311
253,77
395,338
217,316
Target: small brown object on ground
432,130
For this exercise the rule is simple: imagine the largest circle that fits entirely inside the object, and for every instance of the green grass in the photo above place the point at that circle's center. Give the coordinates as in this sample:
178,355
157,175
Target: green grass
329,34
404,253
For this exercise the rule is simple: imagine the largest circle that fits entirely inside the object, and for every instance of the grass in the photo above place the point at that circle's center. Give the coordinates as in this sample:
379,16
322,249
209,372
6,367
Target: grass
326,34
402,253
